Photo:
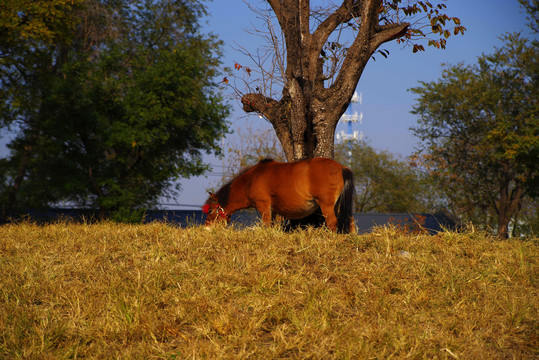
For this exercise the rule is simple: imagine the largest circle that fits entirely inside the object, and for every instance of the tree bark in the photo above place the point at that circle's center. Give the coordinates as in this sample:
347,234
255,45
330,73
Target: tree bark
509,202
306,116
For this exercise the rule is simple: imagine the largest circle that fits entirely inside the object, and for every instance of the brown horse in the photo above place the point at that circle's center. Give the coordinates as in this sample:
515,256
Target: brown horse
292,190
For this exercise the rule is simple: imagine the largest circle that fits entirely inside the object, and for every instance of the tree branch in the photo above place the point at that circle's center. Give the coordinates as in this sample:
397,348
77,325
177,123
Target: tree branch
385,33
359,53
279,8
343,14
256,102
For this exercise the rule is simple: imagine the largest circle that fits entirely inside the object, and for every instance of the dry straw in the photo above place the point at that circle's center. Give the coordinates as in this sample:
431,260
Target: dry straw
112,291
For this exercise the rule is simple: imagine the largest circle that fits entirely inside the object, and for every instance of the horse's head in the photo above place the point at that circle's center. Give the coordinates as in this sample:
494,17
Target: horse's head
214,211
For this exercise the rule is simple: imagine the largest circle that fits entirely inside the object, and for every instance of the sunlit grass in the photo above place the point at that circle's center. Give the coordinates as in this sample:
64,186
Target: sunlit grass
109,291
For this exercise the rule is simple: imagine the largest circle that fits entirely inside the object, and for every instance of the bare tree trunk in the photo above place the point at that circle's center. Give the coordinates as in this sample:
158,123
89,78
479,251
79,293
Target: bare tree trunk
509,202
306,116
508,209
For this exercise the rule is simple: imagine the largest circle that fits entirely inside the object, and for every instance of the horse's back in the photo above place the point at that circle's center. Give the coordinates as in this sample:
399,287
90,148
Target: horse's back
317,168
305,179
322,166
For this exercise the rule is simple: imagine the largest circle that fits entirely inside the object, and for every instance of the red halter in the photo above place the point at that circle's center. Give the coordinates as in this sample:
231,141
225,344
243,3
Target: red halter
221,213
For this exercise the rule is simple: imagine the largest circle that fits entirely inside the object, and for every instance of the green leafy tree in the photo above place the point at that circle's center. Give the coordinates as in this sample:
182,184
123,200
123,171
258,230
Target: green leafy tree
37,21
532,8
479,130
383,182
111,114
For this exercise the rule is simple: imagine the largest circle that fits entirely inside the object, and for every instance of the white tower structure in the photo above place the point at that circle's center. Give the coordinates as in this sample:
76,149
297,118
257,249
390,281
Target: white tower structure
350,118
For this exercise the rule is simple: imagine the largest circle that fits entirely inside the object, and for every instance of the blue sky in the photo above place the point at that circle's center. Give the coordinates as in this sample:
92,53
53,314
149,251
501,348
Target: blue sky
386,102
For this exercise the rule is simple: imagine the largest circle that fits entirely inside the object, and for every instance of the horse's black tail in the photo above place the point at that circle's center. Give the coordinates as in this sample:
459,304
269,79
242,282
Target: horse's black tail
343,206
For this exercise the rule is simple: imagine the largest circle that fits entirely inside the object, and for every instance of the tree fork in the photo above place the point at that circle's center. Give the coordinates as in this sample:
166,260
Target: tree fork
306,117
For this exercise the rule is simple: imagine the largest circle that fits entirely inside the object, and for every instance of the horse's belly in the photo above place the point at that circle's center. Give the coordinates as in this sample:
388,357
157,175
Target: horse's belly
295,211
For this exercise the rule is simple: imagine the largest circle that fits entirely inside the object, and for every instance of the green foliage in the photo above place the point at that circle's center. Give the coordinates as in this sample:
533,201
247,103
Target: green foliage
112,116
479,129
36,20
383,182
532,8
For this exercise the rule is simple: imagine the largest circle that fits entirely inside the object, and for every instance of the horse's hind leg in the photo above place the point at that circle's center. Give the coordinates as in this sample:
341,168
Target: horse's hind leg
329,213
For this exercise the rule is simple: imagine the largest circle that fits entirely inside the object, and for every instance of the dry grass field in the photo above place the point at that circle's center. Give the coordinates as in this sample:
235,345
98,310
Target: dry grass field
114,291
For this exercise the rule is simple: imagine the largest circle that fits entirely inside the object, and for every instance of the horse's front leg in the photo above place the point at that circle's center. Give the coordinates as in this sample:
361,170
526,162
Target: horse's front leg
264,209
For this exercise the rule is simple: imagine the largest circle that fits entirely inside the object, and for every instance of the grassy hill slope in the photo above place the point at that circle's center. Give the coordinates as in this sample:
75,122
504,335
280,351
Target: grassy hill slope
110,291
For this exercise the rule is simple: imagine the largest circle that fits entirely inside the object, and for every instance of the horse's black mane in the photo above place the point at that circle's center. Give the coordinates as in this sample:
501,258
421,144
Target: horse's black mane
223,193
